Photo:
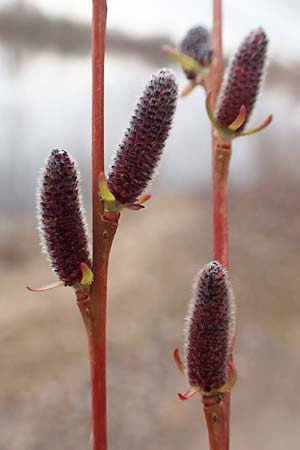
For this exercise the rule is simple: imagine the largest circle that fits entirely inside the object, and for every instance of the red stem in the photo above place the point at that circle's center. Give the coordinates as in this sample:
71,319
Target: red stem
97,333
221,160
98,53
221,150
103,232
221,153
217,66
214,410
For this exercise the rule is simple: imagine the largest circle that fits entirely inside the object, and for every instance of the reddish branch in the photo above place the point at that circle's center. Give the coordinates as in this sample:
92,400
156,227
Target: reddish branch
221,159
97,335
214,411
217,66
221,149
103,234
221,153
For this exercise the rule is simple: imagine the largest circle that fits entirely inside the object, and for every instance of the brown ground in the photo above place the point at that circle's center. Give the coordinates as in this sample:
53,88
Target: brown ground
44,398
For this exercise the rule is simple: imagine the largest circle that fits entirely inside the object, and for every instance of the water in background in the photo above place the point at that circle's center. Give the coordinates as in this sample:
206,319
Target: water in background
45,102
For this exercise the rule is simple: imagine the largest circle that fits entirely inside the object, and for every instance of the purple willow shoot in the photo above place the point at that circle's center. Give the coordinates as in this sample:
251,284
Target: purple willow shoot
241,87
61,219
141,149
197,45
210,330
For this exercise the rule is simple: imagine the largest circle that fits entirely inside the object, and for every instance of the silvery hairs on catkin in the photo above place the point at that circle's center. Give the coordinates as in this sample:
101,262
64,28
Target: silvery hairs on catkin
140,151
242,83
62,225
209,329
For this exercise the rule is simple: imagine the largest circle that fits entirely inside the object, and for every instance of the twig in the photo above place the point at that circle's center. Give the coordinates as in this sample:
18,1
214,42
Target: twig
221,153
103,234
221,160
221,149
217,66
214,411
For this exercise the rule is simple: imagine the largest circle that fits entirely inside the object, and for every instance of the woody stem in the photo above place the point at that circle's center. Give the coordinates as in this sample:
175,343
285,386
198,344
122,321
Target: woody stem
103,234
214,410
221,153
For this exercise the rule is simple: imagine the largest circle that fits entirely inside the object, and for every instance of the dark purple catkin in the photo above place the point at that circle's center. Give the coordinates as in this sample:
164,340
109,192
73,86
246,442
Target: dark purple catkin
209,329
196,44
140,151
242,84
61,220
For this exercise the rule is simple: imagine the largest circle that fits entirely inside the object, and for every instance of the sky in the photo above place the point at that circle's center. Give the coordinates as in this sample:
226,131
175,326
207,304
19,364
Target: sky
280,18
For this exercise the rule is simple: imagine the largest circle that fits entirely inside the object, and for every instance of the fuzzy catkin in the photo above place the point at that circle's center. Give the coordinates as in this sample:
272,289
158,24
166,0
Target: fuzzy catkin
196,44
208,330
61,220
139,153
242,84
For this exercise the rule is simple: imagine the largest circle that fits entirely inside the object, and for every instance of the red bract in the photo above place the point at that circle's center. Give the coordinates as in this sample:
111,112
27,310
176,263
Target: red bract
61,221
209,329
196,44
139,153
242,84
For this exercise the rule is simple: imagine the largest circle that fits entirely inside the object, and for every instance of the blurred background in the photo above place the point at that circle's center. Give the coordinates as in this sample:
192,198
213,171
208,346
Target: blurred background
45,102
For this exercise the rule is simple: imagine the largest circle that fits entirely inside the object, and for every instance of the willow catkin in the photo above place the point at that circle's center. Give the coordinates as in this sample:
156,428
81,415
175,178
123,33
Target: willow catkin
209,328
241,86
197,45
141,149
61,218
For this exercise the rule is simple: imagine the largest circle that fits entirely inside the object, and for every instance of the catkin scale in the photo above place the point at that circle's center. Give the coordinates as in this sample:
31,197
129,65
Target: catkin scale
208,333
242,84
196,44
61,220
139,153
